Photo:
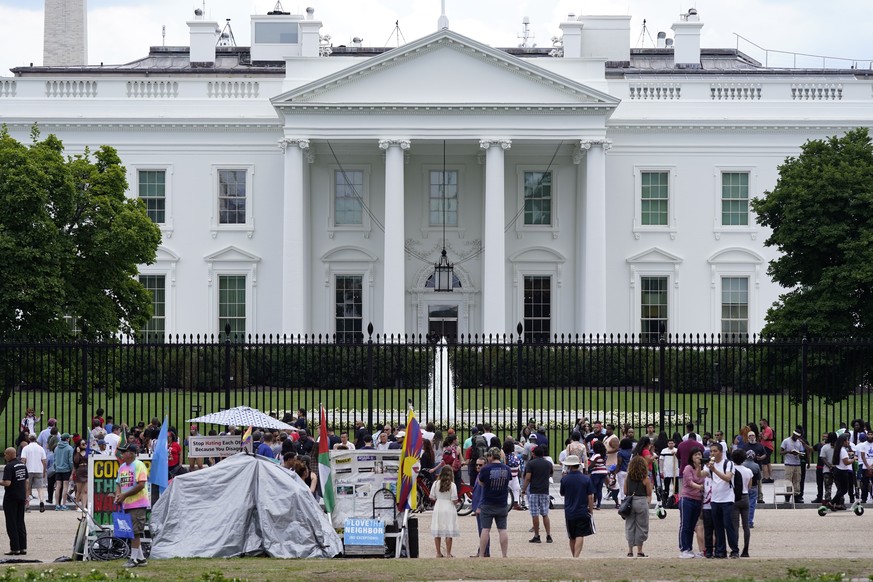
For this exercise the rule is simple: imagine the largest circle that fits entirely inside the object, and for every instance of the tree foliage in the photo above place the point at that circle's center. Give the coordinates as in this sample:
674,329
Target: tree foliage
821,216
70,242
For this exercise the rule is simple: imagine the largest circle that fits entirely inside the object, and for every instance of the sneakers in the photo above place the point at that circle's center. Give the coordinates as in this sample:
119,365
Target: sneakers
134,563
686,554
535,540
41,507
548,539
699,555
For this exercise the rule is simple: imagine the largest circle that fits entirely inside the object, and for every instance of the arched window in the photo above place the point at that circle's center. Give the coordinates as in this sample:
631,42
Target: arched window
429,284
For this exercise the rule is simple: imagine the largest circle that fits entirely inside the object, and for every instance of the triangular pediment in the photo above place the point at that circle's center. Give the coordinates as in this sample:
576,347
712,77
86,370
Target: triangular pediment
445,69
231,254
654,255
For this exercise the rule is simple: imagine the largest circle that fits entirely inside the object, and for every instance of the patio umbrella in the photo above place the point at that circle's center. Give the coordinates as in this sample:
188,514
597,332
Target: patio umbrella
242,416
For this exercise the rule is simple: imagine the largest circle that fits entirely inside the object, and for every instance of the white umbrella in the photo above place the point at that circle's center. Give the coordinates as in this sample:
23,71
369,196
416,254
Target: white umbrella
242,416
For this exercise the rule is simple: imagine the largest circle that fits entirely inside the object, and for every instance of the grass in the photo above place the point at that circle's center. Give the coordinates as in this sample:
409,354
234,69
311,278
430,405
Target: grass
266,569
723,411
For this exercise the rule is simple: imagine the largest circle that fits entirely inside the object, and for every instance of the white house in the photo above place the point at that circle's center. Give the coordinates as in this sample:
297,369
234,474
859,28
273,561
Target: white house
590,188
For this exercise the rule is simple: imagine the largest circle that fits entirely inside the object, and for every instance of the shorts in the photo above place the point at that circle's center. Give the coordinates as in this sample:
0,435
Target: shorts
62,476
766,460
538,503
580,527
36,480
489,513
138,517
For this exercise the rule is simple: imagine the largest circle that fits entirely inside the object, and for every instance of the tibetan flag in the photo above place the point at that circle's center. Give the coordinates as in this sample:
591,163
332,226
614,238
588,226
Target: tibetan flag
410,455
159,472
324,476
247,438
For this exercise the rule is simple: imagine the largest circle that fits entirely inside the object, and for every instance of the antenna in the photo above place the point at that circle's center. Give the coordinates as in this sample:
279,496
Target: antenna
226,37
396,33
525,35
641,41
164,35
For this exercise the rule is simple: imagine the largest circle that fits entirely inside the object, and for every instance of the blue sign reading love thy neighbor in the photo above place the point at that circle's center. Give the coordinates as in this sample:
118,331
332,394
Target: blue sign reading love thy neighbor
364,532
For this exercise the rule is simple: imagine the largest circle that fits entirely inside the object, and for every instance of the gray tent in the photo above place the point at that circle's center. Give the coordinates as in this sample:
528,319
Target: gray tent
245,505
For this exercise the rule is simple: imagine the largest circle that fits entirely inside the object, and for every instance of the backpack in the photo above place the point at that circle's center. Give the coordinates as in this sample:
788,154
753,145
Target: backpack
452,459
737,485
478,448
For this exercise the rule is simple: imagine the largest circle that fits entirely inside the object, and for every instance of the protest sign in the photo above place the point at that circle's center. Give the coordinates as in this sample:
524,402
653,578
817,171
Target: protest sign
201,447
102,472
357,476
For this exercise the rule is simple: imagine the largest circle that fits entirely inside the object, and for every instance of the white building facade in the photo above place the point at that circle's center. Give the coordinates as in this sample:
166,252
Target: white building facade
593,190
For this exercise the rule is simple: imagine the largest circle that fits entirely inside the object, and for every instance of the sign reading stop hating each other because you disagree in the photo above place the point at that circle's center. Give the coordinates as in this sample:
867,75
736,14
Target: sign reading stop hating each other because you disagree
101,486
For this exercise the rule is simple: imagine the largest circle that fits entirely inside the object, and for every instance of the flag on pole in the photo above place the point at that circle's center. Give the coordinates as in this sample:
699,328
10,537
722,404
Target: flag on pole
247,438
121,443
324,476
407,492
159,472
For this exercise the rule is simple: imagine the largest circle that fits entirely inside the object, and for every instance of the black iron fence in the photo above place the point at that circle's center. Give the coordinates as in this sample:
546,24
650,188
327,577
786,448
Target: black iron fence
718,383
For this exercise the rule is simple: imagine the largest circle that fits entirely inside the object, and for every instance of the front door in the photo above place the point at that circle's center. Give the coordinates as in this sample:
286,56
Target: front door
442,322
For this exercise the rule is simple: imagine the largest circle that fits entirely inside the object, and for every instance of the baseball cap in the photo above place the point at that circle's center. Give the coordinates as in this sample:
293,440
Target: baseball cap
65,436
128,447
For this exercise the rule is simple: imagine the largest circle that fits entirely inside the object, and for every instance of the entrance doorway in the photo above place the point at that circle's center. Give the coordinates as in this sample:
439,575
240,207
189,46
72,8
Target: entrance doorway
442,322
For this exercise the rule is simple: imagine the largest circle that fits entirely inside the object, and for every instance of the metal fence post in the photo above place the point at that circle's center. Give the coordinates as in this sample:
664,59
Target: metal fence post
86,425
227,366
370,376
804,395
662,346
519,394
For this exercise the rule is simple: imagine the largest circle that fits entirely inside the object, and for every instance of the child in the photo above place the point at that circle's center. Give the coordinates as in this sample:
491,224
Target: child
445,514
669,465
612,485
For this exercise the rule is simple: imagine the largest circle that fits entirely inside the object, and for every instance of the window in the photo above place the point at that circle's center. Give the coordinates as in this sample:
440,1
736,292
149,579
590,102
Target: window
349,308
232,304
735,198
734,305
348,197
153,191
276,32
537,198
232,187
653,308
654,192
537,308
156,327
443,210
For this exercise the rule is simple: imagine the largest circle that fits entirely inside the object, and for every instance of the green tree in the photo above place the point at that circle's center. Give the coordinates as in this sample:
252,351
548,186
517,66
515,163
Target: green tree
821,216
70,242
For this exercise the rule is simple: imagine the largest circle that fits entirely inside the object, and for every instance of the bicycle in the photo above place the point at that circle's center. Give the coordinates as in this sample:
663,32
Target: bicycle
104,546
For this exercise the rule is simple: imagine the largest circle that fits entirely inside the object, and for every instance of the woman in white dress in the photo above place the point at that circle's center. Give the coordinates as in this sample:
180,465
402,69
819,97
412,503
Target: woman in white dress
445,515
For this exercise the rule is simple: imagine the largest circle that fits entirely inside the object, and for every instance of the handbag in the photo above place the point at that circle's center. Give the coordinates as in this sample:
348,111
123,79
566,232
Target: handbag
626,506
122,525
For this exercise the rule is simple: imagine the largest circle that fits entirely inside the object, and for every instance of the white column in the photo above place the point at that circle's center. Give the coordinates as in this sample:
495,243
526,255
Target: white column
394,284
494,259
594,275
295,241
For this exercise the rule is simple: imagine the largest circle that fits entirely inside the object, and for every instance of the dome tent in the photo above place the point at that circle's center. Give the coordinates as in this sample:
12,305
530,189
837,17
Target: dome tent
245,505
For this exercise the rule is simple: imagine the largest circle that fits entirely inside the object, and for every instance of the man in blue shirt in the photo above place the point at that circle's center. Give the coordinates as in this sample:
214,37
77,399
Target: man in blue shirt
494,481
578,492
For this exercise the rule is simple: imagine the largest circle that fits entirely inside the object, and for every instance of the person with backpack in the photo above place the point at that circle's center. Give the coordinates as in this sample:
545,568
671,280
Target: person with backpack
451,458
478,449
721,471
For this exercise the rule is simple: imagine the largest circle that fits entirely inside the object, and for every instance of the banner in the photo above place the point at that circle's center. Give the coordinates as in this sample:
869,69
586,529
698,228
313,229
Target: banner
102,472
357,477
201,447
364,532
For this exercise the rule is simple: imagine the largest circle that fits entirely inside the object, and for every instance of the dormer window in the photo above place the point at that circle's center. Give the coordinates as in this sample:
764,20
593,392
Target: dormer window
276,32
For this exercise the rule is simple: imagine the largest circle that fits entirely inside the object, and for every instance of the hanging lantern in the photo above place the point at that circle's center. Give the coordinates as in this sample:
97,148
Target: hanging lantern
443,275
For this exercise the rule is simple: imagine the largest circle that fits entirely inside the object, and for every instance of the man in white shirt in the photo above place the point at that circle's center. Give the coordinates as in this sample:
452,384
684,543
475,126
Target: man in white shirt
865,451
719,438
689,430
722,473
112,440
34,457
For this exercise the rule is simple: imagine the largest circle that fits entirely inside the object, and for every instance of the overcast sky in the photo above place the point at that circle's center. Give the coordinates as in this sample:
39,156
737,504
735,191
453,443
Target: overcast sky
122,30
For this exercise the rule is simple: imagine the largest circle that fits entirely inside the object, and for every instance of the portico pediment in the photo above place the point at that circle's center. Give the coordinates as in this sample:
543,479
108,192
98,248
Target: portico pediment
445,70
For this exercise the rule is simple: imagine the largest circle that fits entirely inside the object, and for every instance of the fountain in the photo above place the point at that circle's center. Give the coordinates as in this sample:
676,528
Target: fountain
441,388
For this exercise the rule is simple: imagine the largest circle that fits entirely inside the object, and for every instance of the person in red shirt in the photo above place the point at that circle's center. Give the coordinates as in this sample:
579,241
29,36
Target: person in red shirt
766,440
174,458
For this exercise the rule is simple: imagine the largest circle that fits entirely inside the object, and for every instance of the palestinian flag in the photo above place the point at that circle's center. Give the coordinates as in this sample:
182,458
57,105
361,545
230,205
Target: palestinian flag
324,476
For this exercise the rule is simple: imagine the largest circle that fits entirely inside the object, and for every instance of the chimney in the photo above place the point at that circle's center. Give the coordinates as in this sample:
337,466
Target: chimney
572,37
309,34
606,37
204,35
686,32
65,42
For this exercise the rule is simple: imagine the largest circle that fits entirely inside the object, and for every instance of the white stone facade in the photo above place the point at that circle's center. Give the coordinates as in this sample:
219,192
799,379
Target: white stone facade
602,257
65,43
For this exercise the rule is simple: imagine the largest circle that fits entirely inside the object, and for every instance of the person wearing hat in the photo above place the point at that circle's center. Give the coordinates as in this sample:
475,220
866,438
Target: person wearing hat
63,470
578,492
793,450
132,495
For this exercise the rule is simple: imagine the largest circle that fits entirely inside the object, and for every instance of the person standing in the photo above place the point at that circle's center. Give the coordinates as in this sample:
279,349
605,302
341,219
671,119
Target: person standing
577,490
792,450
537,473
494,480
668,463
444,524
33,455
685,449
766,440
754,486
690,503
742,488
476,502
14,502
638,485
721,471
63,470
131,494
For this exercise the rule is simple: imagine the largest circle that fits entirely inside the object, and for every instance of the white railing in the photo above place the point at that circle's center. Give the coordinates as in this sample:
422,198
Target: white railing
153,89
70,88
816,92
655,91
7,88
233,89
735,92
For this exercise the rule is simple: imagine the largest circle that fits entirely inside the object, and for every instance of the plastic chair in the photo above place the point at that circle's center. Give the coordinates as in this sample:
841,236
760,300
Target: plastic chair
783,488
